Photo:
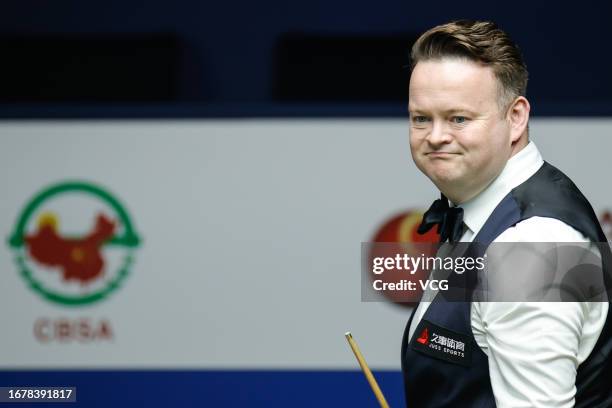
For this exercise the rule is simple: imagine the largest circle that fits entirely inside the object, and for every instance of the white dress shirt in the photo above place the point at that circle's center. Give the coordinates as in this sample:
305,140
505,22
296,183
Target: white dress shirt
533,348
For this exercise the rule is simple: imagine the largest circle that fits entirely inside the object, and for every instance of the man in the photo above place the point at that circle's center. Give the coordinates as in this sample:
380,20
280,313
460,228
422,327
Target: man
469,135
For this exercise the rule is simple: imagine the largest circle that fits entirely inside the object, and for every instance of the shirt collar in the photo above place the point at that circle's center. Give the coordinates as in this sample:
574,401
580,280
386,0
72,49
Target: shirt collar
518,169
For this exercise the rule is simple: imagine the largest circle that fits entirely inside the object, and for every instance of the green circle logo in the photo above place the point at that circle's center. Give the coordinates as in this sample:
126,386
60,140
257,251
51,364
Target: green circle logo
74,243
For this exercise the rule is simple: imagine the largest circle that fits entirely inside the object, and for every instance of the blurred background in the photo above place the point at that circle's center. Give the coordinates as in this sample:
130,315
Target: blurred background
186,186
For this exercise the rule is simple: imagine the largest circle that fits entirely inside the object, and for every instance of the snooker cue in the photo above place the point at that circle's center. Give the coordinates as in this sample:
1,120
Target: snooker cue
366,370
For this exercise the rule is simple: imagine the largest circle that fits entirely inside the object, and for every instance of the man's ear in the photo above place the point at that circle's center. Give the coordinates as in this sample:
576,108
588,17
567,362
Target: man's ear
518,117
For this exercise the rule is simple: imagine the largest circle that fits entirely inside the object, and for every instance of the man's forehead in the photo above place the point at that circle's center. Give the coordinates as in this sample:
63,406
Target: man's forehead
452,84
458,66
448,100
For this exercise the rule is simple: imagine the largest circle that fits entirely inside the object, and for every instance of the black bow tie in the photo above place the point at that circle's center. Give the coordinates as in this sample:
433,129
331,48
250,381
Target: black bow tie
448,219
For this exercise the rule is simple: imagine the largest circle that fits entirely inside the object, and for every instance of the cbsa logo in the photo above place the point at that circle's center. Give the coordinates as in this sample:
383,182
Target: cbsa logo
74,243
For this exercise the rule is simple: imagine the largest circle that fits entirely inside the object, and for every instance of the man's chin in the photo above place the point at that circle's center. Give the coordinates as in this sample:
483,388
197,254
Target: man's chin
440,177
445,182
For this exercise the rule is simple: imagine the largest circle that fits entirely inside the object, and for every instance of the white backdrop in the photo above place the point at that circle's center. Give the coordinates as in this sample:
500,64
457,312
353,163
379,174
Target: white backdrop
251,235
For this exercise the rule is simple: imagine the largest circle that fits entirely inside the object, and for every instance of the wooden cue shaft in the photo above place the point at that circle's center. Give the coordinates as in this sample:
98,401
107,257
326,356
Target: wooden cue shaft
366,370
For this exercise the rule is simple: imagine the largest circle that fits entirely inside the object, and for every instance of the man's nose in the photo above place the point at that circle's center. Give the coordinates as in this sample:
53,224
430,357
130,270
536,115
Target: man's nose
440,134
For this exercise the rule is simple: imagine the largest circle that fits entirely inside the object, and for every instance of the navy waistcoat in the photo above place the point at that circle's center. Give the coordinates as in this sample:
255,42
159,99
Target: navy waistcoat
463,381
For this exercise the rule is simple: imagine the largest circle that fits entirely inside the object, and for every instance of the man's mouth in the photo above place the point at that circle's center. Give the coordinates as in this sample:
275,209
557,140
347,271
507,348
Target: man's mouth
440,154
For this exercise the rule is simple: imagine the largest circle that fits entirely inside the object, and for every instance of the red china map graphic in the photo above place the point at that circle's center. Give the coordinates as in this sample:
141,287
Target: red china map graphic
79,258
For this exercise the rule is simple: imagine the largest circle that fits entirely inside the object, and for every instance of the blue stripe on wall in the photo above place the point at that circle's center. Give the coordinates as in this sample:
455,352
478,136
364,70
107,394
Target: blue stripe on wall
165,388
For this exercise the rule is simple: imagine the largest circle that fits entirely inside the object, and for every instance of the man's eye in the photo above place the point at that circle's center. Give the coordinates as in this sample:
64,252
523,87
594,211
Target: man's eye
459,119
420,119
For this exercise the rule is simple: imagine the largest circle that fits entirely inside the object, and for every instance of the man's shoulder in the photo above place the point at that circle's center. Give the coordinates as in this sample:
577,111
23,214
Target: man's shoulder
541,229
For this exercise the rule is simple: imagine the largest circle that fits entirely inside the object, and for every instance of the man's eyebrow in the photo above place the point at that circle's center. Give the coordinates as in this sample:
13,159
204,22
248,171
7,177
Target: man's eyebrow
446,112
459,110
415,111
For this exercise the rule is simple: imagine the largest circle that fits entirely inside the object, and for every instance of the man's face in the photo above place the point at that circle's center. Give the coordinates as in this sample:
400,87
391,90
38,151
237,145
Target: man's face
458,135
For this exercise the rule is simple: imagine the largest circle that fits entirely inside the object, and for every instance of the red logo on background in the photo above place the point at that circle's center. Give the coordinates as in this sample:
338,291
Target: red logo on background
402,230
80,258
424,337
